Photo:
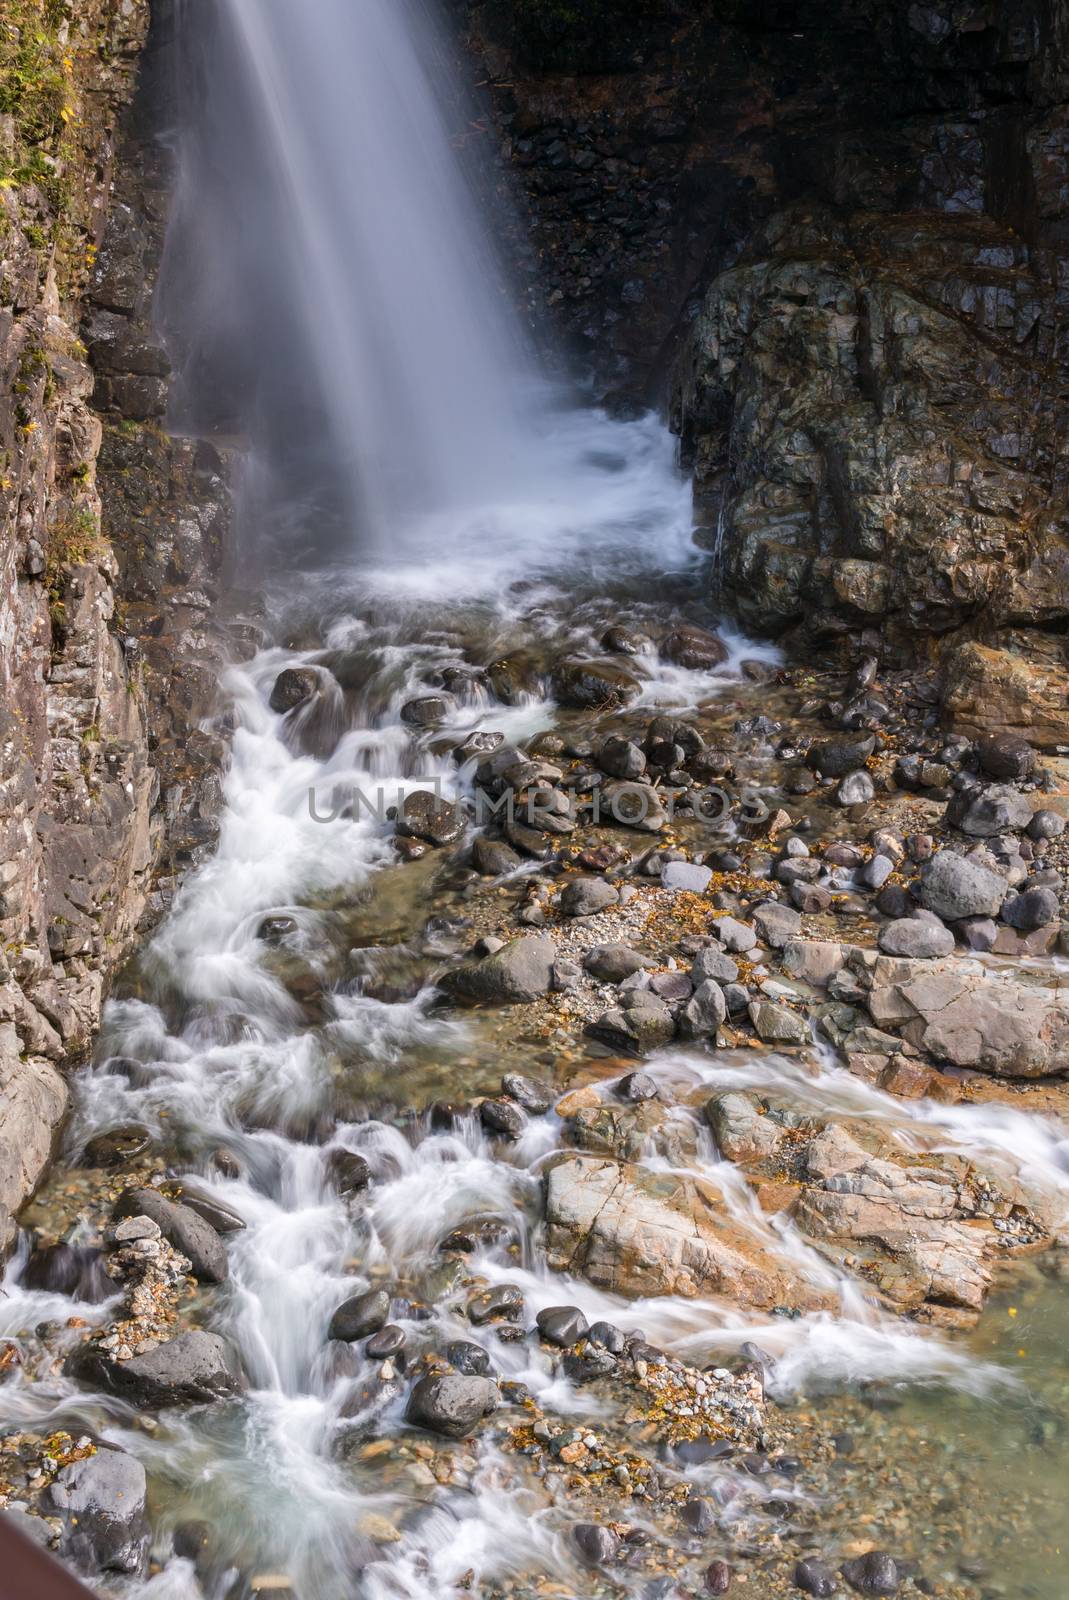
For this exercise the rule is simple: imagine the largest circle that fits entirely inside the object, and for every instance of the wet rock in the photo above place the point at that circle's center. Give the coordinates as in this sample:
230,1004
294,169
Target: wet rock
562,1325
637,1088
477,745
387,1344
855,789
275,931
621,758
219,1216
637,1030
533,1097
493,858
520,972
632,805
637,1232
470,1359
292,688
612,963
593,685
815,1578
875,1573
776,1024
181,1227
622,641
357,1317
608,1336
75,1270
425,815
1006,756
954,887
584,897
347,1172
191,1369
917,939
595,1545
699,1516
426,711
776,923
717,1578
588,1366
101,1503
503,1117
1030,910
118,1146
451,1405
502,1301
694,648
834,758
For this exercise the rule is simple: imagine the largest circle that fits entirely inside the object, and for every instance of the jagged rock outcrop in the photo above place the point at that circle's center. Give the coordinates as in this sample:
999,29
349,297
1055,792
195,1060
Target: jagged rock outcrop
871,398
842,231
109,538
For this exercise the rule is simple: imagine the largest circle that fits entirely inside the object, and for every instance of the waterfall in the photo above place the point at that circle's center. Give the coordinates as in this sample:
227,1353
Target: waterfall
330,288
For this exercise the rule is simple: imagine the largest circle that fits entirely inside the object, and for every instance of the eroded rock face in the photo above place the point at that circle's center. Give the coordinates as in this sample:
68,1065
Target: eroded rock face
1011,1024
110,538
640,1233
871,379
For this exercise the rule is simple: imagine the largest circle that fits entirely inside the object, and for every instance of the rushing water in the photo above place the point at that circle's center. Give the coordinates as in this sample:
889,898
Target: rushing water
321,188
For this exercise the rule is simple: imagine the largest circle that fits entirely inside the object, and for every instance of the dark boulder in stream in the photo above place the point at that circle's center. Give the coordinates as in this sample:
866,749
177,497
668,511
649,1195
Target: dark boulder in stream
182,1227
101,1503
452,1405
191,1369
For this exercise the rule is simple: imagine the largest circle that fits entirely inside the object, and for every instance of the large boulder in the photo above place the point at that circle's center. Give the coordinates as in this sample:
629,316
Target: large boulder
990,691
911,1215
100,1501
452,1404
954,887
190,1369
1011,1024
637,1232
594,685
182,1227
521,972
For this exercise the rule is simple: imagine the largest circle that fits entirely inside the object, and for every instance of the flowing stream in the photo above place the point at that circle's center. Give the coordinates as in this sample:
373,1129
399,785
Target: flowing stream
324,190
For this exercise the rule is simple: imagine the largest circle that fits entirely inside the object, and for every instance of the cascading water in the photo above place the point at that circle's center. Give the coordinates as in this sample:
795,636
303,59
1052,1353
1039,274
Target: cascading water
331,294
327,244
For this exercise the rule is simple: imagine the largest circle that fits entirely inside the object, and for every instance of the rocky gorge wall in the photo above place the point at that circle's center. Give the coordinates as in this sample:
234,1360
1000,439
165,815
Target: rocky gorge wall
111,537
832,239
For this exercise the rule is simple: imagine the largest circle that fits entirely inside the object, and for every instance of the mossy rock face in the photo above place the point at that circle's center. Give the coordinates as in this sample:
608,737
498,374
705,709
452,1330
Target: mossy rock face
579,35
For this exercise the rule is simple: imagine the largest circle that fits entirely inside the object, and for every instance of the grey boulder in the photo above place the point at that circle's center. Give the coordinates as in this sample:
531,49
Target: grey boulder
521,972
451,1405
916,937
101,1503
191,1369
183,1228
954,887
